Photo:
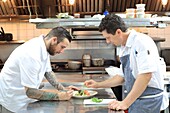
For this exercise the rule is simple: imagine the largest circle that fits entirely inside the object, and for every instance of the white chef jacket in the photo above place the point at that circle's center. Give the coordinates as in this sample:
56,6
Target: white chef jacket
144,58
25,66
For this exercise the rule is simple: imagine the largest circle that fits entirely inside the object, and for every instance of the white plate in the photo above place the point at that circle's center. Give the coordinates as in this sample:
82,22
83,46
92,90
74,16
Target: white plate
92,93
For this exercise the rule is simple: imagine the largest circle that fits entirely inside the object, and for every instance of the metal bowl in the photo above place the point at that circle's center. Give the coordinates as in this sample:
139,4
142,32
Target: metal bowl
98,61
74,65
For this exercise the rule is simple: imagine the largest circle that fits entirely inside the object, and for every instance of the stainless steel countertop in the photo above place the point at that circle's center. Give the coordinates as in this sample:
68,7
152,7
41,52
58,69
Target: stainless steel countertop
72,106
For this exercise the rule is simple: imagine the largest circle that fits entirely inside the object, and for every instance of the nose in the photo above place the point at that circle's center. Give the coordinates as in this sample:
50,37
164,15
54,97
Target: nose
62,51
107,41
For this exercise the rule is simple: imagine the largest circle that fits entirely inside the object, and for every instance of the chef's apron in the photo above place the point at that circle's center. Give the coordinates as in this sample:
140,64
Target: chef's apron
150,104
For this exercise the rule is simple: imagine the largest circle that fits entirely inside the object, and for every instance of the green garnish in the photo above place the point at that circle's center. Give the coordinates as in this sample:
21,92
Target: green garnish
97,100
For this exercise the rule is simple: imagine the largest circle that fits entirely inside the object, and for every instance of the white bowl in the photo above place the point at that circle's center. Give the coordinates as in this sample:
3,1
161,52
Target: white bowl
130,15
130,10
142,10
140,15
140,6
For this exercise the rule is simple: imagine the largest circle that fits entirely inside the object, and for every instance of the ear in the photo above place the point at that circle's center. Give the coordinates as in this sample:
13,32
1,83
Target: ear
118,32
54,40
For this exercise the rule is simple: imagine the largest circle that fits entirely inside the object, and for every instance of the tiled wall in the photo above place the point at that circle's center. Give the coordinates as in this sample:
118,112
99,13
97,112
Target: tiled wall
22,31
26,31
163,33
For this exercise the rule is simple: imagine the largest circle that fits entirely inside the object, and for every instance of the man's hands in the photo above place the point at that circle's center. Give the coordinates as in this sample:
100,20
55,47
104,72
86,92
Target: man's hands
117,105
68,94
65,95
91,84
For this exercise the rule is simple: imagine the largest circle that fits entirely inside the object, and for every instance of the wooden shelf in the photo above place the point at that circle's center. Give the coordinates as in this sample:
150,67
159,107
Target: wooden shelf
12,42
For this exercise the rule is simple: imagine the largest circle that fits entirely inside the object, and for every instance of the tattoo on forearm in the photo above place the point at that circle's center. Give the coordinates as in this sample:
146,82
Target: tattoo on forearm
41,95
51,77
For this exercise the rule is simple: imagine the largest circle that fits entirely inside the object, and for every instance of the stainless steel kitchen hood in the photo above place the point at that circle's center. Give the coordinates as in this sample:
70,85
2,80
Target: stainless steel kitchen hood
86,34
84,22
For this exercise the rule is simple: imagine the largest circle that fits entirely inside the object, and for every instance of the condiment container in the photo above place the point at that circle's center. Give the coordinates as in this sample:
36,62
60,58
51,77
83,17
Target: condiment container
86,59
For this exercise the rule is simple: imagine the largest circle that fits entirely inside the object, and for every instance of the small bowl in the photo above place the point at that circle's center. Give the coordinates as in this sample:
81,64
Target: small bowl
130,15
130,10
140,6
140,15
98,61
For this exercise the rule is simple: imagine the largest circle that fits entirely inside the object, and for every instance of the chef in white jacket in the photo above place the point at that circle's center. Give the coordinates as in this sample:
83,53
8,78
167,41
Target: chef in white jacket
141,68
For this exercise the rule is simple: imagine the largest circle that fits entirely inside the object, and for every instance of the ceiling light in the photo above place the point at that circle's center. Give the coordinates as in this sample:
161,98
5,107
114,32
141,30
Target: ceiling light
4,0
71,2
164,2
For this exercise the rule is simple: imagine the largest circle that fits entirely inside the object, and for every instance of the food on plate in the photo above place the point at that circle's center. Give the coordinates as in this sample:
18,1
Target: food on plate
82,93
97,100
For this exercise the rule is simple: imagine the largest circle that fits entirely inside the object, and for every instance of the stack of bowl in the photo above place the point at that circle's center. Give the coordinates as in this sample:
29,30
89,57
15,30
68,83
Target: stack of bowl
130,13
140,11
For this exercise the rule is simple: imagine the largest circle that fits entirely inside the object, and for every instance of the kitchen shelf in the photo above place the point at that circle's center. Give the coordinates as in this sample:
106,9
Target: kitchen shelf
12,42
84,22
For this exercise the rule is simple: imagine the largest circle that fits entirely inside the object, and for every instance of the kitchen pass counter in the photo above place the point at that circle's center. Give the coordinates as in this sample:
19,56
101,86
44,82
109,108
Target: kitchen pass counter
75,105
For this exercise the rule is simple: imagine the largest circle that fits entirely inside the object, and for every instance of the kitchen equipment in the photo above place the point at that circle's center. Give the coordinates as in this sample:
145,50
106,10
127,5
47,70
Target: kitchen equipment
5,36
98,61
74,65
86,58
86,33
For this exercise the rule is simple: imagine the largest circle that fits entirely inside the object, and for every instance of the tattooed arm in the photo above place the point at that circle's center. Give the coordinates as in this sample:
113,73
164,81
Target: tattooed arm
47,94
51,77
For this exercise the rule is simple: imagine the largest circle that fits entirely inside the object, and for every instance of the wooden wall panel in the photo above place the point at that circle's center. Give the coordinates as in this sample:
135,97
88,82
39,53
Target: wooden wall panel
16,7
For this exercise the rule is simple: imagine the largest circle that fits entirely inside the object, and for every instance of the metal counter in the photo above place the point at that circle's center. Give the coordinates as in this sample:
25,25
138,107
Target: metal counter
84,22
72,106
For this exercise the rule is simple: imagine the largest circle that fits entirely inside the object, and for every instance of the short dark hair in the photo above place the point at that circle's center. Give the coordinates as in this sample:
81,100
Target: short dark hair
59,32
111,23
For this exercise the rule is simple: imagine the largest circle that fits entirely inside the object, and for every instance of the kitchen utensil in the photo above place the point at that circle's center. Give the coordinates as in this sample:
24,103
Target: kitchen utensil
74,65
8,36
5,36
86,58
2,30
98,61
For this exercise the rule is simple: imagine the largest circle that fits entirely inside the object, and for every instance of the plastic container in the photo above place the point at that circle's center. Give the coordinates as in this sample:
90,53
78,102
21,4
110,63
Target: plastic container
142,10
130,15
140,6
140,15
148,15
76,15
130,10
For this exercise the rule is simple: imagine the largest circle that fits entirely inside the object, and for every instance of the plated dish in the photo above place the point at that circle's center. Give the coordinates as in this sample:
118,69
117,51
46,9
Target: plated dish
84,94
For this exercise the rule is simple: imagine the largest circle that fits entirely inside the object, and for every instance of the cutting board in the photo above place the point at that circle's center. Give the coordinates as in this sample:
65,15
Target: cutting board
105,101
